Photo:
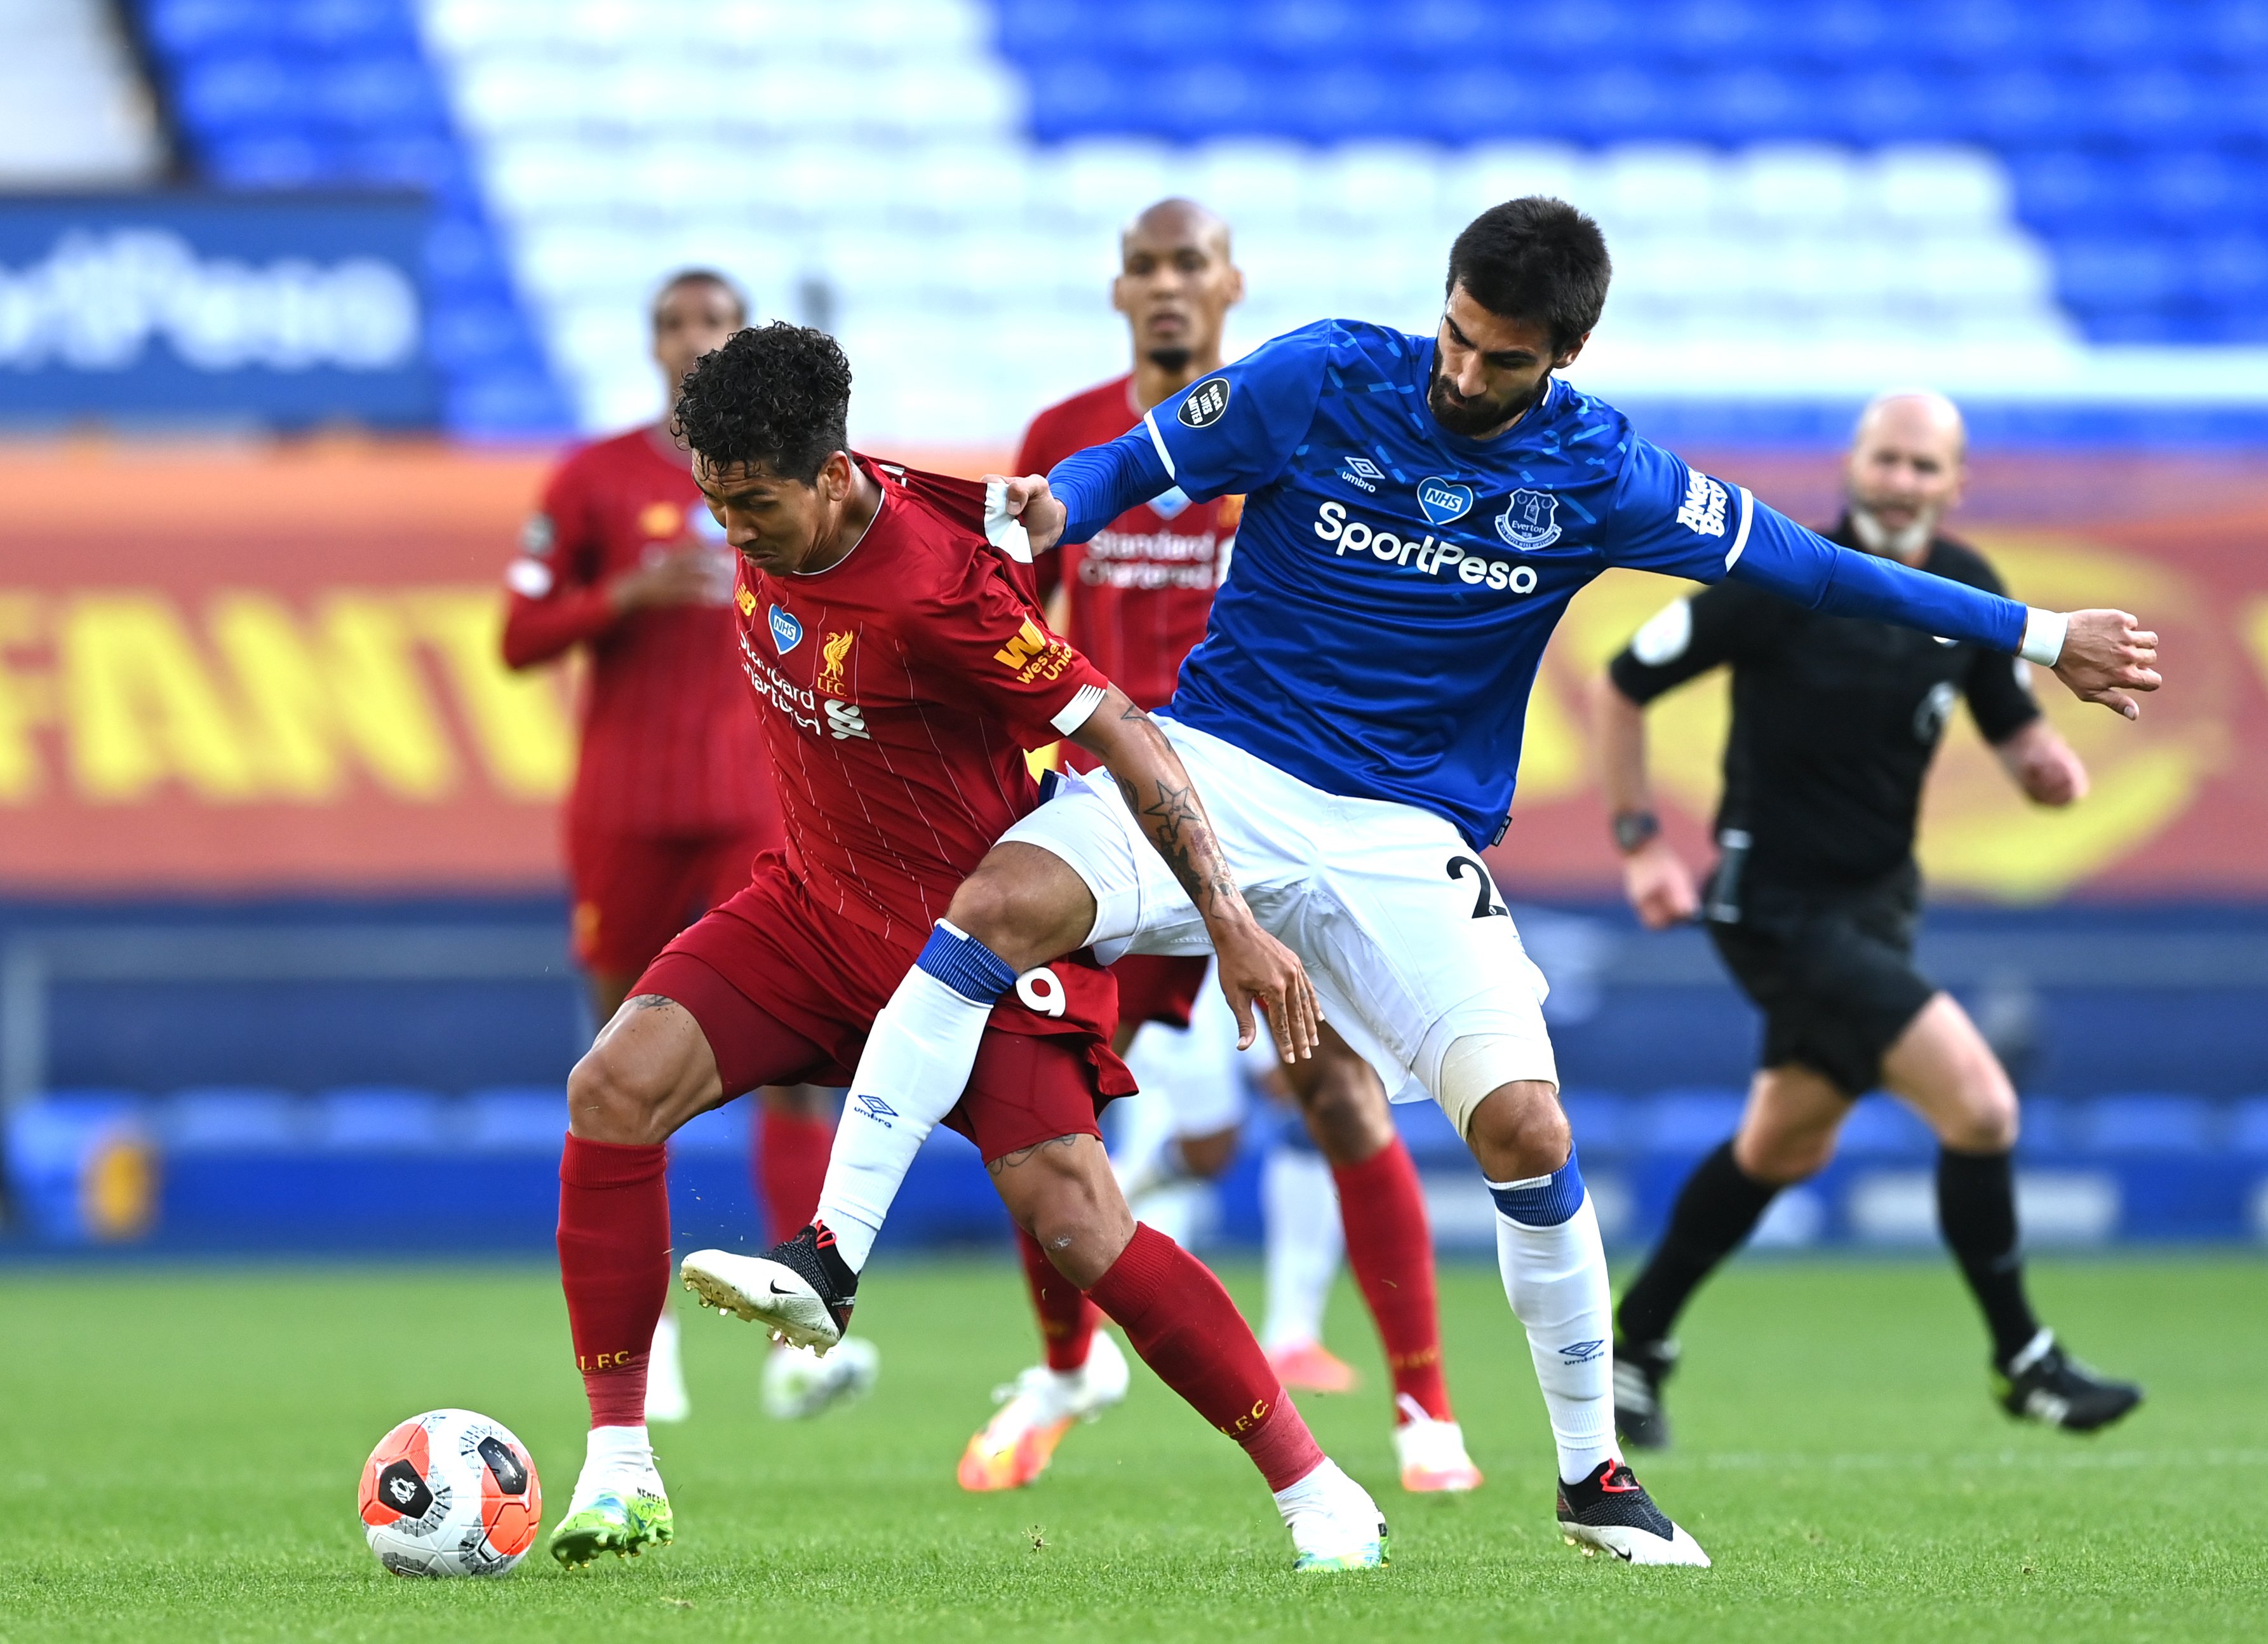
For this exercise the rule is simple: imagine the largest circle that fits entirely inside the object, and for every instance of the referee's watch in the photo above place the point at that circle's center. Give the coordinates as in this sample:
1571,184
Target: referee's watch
1633,829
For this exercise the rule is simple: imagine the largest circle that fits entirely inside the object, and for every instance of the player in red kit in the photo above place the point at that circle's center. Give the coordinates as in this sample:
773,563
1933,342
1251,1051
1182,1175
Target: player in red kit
1136,600
899,669
673,796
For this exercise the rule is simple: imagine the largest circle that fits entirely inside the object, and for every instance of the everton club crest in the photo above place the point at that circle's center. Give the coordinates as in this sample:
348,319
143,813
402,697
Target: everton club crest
1529,520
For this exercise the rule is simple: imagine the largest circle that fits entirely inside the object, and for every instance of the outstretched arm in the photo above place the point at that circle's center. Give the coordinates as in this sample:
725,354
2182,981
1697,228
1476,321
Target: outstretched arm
2099,655
1254,968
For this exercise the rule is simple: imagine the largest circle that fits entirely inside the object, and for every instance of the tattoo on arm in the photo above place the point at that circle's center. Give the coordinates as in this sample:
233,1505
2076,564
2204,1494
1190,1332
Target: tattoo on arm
1173,817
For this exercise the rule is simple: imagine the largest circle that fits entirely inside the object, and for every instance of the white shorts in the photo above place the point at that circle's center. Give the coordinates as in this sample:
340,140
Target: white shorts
1400,925
1197,1071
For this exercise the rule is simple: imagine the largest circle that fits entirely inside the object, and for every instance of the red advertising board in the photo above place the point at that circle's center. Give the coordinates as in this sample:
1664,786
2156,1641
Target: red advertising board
268,669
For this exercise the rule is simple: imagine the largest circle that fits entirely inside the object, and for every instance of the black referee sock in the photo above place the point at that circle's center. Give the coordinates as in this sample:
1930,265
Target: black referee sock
1718,1207
1977,1212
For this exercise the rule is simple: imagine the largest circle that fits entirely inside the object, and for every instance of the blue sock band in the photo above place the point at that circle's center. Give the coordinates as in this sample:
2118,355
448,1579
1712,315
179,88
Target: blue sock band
1544,1204
965,965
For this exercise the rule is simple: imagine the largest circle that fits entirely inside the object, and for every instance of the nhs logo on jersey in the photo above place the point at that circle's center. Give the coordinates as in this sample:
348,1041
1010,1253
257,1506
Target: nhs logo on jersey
1529,520
1444,500
787,633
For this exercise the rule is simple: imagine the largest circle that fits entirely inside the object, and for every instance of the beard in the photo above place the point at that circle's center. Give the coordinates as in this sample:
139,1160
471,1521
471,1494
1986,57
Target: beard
1172,361
1474,418
1906,543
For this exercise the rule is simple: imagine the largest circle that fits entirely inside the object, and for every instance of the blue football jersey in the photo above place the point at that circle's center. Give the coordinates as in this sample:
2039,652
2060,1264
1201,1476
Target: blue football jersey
1393,583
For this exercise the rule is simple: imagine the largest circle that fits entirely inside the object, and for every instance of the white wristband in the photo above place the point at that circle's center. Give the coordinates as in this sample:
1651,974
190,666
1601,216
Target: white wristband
2044,632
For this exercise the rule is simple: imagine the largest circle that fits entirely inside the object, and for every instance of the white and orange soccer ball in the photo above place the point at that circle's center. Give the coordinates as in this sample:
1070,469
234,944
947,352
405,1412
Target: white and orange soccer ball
450,1492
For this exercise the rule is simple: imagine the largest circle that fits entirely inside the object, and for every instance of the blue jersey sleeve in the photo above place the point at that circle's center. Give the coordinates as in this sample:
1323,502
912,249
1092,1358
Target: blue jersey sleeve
1676,519
1098,484
1236,429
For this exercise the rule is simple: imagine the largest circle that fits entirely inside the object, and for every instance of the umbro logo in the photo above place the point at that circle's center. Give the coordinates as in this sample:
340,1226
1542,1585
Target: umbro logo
1361,471
1582,1352
874,1107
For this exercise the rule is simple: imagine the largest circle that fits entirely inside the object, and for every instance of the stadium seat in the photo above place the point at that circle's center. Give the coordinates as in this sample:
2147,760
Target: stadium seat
1883,1128
1684,1121
1601,1121
513,1119
2247,1126
380,1119
231,1119
2147,1125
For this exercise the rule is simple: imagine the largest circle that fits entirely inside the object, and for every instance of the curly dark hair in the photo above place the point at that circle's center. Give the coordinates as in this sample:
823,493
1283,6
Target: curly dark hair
778,395
1534,259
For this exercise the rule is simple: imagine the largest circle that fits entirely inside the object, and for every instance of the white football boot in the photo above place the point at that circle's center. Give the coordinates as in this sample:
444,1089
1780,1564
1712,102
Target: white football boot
1609,1511
1432,1452
798,1384
1036,1410
665,1397
1335,1525
801,1292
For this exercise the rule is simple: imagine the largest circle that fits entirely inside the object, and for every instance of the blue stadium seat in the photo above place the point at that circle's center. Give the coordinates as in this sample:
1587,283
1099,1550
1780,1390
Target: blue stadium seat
2049,1124
1883,1128
1601,1120
2247,1126
231,1119
514,1119
221,93
375,1119
182,26
2147,1125
1684,1121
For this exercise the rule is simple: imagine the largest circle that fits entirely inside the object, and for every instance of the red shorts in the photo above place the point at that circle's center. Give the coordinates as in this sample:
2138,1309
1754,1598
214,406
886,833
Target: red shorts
786,993
1159,987
632,893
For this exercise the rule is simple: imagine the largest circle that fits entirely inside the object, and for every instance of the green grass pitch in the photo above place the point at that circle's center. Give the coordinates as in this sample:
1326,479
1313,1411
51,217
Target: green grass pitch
180,1447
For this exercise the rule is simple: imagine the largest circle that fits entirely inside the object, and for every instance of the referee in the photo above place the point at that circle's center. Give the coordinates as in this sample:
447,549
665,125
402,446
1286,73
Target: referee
1813,904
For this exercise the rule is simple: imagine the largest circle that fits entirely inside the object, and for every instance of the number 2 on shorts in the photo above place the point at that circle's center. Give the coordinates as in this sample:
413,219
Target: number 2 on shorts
1486,905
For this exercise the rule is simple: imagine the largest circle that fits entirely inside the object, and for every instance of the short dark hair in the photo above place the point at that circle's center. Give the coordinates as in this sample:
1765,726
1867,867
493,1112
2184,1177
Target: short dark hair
778,395
1534,259
699,276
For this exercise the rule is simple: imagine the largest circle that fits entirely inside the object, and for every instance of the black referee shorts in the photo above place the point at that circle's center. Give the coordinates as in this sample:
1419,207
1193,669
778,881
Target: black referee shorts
1832,971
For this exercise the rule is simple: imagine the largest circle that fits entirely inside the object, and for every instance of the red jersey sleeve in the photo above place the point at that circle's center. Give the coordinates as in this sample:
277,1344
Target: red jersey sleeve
988,642
555,595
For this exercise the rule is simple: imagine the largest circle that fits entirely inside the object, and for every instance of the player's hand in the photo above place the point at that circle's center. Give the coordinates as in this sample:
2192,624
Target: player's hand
2105,656
2044,765
1255,969
679,576
1031,501
1660,885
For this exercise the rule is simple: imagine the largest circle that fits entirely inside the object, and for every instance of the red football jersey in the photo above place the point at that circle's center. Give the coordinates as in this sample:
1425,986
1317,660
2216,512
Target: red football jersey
898,691
668,746
1140,592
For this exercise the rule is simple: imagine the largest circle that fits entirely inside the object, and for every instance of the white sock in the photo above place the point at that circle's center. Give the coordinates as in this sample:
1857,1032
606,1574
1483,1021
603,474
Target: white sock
1299,1206
1556,1280
614,1459
916,1063
1314,1487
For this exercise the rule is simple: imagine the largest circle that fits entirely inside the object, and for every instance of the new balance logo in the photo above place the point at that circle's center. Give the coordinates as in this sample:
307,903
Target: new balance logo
874,1107
1703,512
845,720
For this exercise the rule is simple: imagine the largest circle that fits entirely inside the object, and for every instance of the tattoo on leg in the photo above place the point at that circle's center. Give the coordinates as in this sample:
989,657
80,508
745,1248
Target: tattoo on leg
1010,1161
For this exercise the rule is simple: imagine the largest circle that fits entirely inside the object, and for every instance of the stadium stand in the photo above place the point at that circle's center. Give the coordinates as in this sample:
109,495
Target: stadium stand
338,95
2053,205
74,113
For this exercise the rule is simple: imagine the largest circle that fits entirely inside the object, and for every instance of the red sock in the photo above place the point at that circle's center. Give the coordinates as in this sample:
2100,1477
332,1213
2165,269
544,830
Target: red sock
1181,1321
1067,1318
791,1169
1391,1250
614,1263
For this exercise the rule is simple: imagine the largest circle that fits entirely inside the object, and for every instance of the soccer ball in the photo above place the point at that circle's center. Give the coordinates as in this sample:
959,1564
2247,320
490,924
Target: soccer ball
450,1492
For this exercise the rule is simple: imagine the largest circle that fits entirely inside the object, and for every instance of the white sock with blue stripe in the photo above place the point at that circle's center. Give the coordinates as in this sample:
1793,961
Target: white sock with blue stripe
1555,1276
916,1063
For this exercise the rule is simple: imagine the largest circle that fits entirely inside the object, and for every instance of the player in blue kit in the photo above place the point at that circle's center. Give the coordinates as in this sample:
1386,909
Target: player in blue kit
1419,512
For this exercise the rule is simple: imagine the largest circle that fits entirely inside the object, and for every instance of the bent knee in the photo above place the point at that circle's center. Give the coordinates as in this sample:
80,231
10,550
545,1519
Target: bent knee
1517,1132
1986,1127
610,1099
1025,904
1783,1157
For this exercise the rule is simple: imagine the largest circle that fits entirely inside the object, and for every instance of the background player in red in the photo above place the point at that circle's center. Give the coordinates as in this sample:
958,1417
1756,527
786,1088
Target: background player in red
673,797
900,671
1135,601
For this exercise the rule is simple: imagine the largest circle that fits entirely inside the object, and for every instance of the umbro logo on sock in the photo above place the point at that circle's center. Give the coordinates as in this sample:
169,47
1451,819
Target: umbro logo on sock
1582,1352
874,1107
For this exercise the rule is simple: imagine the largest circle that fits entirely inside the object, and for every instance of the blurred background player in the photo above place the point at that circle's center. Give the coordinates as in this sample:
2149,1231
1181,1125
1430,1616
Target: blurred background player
1814,900
673,797
1135,599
